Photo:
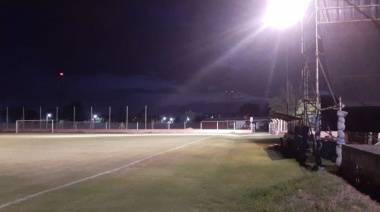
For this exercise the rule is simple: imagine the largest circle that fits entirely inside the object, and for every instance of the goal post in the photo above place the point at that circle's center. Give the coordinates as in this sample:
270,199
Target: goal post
34,126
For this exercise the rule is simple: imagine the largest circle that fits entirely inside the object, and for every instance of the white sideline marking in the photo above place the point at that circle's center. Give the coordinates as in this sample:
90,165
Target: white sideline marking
22,199
110,135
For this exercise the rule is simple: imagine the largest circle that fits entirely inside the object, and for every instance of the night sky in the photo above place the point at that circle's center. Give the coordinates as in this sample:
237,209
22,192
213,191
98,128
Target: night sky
170,55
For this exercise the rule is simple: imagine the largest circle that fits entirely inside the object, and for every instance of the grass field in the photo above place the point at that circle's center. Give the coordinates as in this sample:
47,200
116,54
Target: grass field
162,173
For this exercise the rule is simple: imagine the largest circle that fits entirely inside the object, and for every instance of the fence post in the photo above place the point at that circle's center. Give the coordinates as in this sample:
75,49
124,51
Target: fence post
74,117
7,117
109,118
126,118
146,113
56,117
40,117
91,119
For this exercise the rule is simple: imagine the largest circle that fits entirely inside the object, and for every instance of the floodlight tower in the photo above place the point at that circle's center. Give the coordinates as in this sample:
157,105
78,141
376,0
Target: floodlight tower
312,14
319,14
310,51
61,89
61,76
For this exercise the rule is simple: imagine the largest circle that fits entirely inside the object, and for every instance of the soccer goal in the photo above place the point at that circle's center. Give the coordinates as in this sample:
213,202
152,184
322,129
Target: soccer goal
34,126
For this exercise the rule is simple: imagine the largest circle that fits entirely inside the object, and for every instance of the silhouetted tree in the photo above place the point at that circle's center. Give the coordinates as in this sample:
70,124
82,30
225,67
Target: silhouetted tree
250,109
279,103
265,110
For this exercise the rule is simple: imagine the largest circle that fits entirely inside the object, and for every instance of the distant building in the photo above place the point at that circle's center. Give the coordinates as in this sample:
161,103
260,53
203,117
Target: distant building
260,123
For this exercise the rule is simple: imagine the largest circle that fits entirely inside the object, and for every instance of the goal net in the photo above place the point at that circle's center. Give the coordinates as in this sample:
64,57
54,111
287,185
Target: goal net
34,126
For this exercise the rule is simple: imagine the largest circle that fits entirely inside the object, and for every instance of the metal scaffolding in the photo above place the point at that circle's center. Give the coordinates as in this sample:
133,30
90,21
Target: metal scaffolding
324,12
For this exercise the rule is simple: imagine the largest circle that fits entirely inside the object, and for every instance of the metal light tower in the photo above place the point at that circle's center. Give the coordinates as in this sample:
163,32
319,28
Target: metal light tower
321,13
60,103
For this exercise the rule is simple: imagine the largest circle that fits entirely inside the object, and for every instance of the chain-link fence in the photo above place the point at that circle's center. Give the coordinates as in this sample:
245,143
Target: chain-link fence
42,125
78,117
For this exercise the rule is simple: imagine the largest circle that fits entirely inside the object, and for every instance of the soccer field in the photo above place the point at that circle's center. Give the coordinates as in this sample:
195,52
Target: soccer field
35,166
60,172
119,172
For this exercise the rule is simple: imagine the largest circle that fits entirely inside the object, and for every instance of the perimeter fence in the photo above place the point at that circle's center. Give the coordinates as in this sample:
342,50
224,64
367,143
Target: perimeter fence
88,119
43,125
91,118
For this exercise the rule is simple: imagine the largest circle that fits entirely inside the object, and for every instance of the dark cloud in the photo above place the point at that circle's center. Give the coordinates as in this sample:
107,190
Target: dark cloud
137,52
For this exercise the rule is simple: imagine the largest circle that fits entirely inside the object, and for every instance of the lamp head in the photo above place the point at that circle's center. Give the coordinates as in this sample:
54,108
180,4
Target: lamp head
282,14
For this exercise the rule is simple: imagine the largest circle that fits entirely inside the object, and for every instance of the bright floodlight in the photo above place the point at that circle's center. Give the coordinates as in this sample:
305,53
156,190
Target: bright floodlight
281,14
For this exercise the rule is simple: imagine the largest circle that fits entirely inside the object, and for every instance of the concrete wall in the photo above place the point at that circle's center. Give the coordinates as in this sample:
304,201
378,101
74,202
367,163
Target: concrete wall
361,166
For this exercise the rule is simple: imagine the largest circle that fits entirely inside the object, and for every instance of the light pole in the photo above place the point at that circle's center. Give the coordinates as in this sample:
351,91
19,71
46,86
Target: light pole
187,120
48,116
229,102
60,103
169,122
94,120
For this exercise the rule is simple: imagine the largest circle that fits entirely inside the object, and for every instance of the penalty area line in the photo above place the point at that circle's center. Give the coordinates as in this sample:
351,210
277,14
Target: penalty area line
22,199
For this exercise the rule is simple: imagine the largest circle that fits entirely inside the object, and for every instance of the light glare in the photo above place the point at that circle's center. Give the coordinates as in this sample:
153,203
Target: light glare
281,14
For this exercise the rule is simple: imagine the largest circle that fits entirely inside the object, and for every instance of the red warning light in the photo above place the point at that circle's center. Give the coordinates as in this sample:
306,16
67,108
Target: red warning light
61,74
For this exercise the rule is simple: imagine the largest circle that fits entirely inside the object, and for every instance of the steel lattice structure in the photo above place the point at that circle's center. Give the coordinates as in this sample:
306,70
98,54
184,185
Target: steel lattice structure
324,12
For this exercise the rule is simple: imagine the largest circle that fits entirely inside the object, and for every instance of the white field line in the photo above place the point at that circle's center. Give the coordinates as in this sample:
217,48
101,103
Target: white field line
112,135
22,199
